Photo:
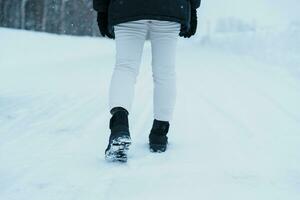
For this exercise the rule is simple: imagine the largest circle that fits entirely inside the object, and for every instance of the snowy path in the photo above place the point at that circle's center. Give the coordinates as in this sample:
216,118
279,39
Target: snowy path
235,133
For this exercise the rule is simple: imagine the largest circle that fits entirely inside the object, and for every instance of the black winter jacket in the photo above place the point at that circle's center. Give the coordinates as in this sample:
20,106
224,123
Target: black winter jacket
129,10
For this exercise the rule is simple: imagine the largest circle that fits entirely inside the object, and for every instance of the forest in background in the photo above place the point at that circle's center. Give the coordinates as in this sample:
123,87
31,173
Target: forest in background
71,17
77,17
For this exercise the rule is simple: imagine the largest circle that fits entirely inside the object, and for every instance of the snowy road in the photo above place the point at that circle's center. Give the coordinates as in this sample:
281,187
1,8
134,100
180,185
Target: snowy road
235,133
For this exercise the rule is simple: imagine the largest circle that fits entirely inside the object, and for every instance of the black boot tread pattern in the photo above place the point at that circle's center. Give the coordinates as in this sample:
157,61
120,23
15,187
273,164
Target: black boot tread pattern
117,149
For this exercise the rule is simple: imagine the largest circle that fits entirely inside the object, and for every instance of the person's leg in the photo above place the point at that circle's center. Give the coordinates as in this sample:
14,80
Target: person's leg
163,37
130,38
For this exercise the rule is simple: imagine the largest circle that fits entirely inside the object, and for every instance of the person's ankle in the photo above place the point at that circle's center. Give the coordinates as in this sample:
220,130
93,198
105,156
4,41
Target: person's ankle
117,109
160,126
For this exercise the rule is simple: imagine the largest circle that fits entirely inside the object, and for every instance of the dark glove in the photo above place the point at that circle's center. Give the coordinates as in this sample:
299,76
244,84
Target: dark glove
103,25
193,26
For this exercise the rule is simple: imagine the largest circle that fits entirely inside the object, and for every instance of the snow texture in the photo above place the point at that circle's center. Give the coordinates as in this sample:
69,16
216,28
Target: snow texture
235,133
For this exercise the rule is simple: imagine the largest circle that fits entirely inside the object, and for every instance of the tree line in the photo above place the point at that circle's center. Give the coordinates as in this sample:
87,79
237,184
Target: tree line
72,17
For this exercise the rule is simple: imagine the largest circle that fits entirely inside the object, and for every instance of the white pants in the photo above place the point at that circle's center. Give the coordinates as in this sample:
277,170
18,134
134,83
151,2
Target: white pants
130,38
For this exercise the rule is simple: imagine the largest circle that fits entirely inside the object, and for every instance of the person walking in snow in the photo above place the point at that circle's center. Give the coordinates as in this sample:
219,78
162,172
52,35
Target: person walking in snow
130,23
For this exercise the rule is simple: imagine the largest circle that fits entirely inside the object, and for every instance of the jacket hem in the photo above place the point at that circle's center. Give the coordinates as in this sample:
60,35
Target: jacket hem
113,22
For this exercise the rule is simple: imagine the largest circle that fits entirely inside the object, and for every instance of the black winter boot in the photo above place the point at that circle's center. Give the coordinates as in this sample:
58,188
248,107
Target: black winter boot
119,140
158,139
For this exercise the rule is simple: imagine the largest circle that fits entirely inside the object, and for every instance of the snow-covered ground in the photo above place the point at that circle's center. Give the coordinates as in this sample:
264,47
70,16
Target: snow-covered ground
235,133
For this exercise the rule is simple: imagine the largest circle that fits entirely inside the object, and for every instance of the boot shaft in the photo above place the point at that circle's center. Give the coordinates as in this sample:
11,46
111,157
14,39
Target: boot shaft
119,120
160,127
158,138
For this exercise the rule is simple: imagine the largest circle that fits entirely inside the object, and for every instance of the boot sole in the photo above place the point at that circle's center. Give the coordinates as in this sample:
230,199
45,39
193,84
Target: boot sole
157,148
118,149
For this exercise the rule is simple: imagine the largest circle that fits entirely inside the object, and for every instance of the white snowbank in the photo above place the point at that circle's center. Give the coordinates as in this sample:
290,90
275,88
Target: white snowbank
263,13
235,134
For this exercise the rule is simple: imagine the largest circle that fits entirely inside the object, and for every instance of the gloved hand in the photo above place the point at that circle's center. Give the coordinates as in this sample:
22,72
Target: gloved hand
103,25
193,26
